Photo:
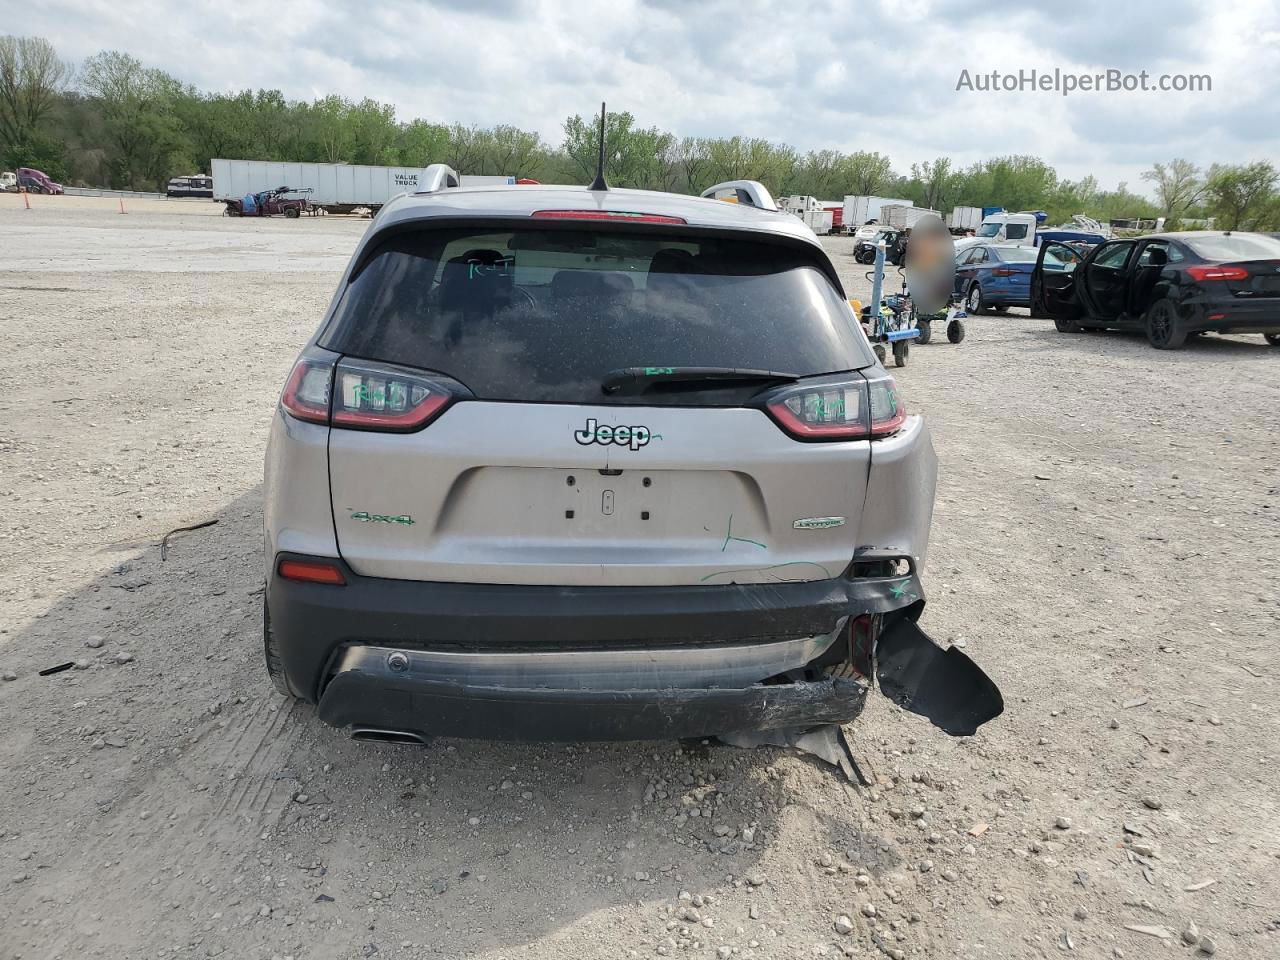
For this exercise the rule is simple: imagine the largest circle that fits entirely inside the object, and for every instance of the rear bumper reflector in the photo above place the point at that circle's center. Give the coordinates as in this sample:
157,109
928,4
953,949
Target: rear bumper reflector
312,571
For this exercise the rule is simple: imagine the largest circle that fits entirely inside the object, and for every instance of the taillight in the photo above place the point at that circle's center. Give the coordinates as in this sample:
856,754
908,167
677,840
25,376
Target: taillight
312,571
306,394
363,395
888,410
839,410
1004,272
381,396
1201,274
625,216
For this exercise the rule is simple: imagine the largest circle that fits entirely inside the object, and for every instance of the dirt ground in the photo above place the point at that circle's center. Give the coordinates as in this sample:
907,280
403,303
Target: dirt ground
1105,545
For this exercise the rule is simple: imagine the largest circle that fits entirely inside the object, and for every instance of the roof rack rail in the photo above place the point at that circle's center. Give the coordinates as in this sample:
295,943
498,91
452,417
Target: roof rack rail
753,193
438,176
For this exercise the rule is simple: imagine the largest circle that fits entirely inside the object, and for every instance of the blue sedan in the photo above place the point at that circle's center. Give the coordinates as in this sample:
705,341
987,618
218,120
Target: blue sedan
994,276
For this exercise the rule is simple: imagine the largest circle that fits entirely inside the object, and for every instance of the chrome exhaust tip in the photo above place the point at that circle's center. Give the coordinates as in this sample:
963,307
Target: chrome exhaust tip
387,736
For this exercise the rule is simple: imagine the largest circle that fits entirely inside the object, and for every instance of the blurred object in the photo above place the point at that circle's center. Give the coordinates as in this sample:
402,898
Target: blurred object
930,264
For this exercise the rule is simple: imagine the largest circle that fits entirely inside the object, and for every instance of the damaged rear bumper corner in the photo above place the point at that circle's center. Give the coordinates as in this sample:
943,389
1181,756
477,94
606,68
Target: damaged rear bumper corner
942,685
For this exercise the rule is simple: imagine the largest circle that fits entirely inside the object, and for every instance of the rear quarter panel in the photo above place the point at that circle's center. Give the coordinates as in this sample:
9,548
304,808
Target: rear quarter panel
296,516
900,494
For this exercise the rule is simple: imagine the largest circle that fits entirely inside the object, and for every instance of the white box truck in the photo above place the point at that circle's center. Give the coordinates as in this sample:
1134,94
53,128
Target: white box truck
859,209
961,219
338,187
903,216
809,210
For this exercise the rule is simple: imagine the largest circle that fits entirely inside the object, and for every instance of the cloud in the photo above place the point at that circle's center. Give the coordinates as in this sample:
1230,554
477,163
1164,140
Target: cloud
878,75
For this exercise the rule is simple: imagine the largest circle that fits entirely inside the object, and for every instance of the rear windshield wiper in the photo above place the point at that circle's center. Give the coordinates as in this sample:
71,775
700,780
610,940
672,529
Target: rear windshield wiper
633,380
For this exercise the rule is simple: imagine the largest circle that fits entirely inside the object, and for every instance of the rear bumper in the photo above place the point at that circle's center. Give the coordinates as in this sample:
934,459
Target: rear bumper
519,662
374,700
1006,293
1233,315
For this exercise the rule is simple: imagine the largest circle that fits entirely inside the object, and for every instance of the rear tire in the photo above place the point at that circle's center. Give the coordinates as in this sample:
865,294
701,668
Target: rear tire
879,349
1273,339
900,351
275,666
1066,325
973,302
1164,327
291,213
955,331
926,330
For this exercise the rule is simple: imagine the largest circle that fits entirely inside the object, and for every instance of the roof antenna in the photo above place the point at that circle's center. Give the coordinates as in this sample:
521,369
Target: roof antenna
598,183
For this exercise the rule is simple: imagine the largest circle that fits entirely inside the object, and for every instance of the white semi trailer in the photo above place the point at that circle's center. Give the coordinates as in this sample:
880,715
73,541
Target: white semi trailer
903,216
863,209
961,219
338,187
810,210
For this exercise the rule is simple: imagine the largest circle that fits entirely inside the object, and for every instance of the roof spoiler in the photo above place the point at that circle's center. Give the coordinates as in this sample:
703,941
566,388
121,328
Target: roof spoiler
752,193
438,176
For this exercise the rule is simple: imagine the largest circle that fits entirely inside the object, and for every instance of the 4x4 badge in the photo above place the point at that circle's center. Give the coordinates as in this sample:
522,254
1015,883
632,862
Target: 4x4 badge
634,437
818,523
366,517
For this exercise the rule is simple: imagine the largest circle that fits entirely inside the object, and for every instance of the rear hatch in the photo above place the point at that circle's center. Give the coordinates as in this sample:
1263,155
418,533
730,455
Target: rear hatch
584,421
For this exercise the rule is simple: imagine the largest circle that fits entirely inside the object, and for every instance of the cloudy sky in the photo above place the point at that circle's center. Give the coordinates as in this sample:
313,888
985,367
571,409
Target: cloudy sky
871,75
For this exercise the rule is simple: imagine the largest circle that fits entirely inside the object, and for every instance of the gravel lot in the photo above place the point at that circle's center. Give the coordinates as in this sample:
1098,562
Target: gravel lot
1105,544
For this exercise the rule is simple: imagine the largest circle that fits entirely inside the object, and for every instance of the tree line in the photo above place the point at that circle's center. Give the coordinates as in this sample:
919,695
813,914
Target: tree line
112,121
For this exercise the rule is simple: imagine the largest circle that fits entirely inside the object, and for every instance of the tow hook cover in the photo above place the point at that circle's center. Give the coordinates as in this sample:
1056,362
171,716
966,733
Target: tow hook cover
943,686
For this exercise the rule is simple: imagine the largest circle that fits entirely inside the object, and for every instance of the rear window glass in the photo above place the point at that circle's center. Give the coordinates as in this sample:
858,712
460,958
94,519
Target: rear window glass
545,314
1238,246
1018,254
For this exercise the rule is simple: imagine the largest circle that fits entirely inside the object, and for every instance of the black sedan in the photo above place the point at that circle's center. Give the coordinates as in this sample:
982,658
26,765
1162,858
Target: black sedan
1170,286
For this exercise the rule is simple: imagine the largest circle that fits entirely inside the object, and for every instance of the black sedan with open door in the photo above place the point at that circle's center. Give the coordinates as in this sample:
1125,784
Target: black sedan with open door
1170,286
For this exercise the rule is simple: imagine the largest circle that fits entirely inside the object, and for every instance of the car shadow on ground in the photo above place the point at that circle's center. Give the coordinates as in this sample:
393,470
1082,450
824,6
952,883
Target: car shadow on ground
167,794
1208,346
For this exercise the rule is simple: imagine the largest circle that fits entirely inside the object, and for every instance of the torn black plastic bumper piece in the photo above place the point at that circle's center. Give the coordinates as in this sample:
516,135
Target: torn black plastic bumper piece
942,685
427,708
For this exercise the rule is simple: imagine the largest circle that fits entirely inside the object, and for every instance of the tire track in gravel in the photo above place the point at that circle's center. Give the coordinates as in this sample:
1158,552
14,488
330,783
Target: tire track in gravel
266,738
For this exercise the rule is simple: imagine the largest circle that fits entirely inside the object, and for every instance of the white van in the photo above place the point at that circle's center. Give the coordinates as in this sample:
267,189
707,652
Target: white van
1003,227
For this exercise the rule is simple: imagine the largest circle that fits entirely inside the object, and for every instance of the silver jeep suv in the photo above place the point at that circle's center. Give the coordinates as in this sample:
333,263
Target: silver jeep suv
569,463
